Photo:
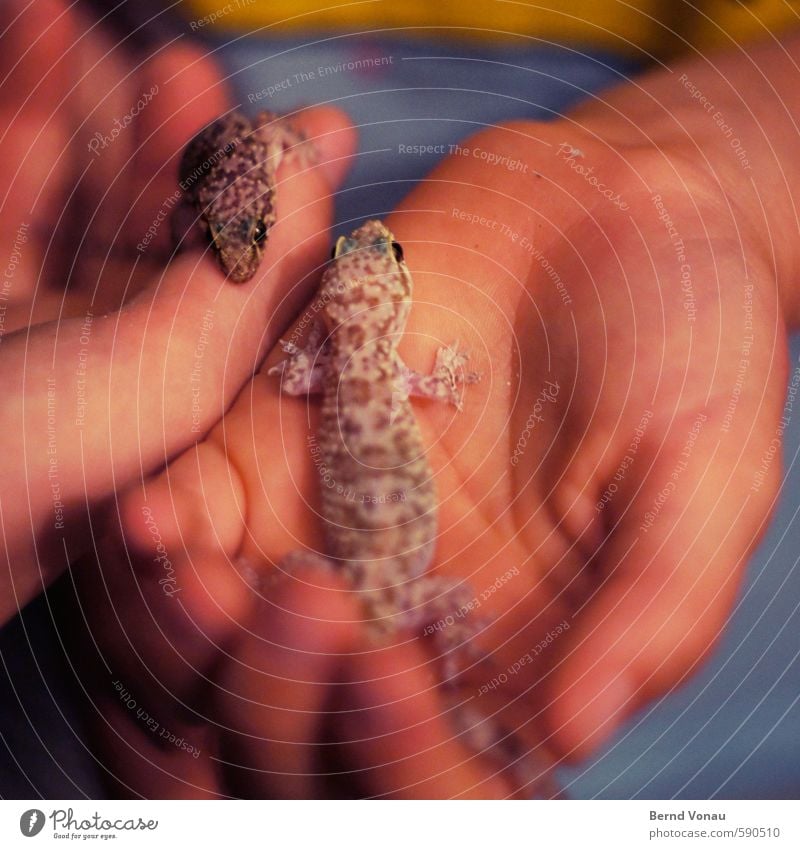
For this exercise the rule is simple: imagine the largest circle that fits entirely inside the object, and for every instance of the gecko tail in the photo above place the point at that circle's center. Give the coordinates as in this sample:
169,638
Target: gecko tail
532,776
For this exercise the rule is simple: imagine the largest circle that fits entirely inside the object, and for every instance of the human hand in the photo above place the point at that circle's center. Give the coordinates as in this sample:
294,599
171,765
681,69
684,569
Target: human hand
99,341
610,461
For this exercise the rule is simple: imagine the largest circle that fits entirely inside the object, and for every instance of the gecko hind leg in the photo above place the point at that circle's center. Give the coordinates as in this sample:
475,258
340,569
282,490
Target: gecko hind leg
297,560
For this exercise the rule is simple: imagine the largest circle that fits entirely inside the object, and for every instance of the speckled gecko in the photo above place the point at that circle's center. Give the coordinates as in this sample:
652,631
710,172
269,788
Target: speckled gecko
227,176
379,503
378,497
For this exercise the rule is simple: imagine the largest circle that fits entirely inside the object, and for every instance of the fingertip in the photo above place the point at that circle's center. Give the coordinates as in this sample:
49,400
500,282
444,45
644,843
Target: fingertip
635,644
39,54
186,91
399,671
143,515
215,594
332,133
178,92
311,609
273,693
400,731
583,714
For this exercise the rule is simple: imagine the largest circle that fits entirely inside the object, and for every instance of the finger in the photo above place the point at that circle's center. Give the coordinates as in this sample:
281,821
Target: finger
398,736
66,83
198,499
36,74
31,183
274,694
171,579
149,755
671,567
37,60
181,90
331,133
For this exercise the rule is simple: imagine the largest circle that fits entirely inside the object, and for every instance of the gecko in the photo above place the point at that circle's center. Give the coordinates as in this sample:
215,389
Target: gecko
378,497
227,178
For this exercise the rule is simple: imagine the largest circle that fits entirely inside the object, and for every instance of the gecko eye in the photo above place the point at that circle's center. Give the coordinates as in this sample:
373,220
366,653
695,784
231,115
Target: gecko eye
397,249
259,232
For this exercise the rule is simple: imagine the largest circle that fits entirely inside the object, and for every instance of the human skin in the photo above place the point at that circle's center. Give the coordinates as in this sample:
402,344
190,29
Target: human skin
144,321
262,673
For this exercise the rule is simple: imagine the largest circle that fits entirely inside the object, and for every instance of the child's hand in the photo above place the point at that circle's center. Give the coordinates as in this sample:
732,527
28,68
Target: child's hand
115,364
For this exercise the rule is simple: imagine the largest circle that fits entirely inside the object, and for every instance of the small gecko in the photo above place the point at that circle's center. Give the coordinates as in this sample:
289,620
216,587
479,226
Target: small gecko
227,176
379,503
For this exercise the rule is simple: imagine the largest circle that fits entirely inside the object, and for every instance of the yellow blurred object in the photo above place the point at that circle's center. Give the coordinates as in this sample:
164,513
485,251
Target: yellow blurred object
659,27
725,23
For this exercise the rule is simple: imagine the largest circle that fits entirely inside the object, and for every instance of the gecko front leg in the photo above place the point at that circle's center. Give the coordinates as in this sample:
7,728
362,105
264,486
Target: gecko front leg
304,370
443,383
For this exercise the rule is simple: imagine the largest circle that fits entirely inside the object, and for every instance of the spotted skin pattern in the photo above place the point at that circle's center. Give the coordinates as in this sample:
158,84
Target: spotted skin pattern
227,175
379,503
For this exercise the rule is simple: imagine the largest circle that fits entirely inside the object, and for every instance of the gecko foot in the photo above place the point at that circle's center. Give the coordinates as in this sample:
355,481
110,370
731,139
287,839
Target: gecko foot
288,348
450,363
445,381
302,372
298,560
286,139
449,366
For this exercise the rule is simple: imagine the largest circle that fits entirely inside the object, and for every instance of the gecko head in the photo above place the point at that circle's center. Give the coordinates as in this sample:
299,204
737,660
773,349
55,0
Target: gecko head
239,244
367,274
374,240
